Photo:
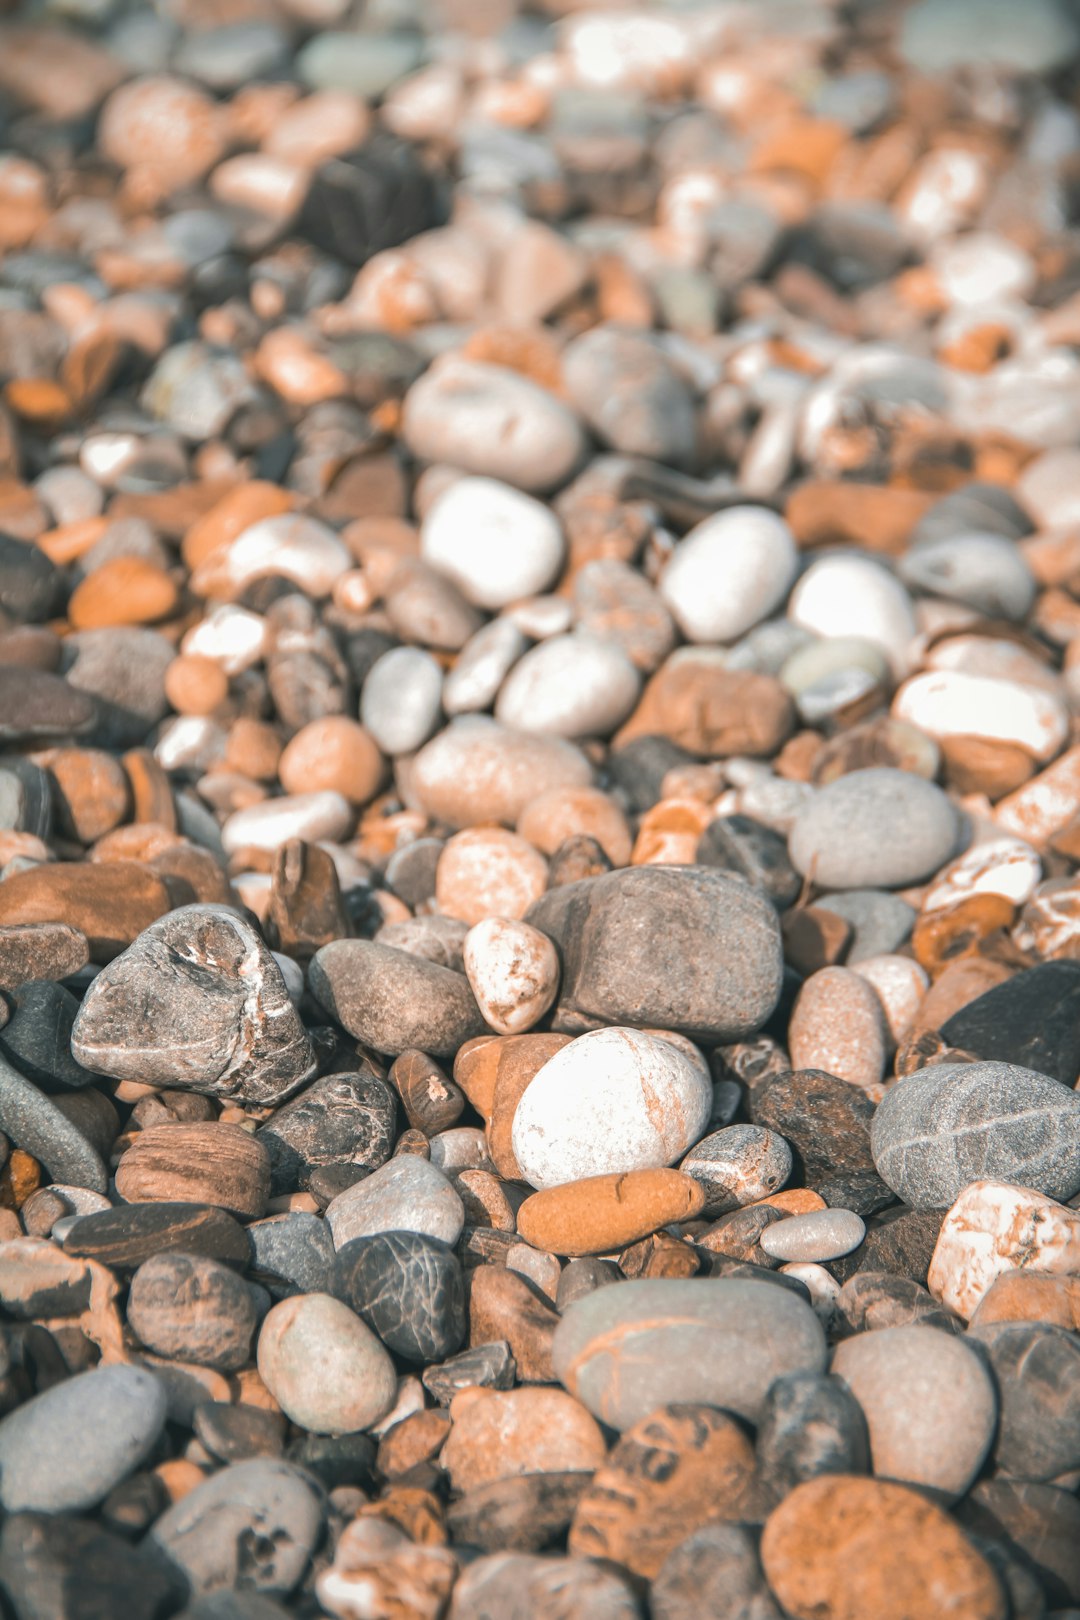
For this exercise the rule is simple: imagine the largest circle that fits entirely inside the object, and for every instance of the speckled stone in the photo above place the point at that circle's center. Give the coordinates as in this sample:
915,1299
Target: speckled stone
823,1234
810,1425
878,828
409,1290
943,1127
292,1254
324,1367
825,1121
738,1165
392,1000
191,1308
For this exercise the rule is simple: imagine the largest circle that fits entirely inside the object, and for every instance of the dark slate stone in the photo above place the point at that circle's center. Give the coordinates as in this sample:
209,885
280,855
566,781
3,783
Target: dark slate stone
811,1424
409,1289
30,585
197,1003
345,1459
292,1254
1032,1020
343,1120
35,704
941,1128
1038,1523
121,671
1037,1370
482,1366
900,1240
62,1568
33,1122
122,1238
235,1433
880,1299
684,948
26,799
750,850
860,1190
369,201
825,1120
722,1265
639,767
37,1036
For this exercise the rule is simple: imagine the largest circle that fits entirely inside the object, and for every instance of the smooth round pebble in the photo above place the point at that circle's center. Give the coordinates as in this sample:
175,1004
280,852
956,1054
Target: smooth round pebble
876,828
823,1234
324,1367
401,701
570,686
837,1024
496,544
487,872
514,973
729,573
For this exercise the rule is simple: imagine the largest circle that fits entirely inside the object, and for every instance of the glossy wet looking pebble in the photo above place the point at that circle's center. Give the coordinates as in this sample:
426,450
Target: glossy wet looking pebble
539,811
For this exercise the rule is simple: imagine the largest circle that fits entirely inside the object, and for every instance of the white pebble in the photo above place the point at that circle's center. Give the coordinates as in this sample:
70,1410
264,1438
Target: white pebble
495,543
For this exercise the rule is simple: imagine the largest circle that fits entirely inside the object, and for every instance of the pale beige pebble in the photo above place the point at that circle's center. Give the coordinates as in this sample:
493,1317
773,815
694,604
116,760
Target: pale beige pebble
409,1399
457,266
948,703
538,271
267,185
996,1227
311,816
333,754
320,127
541,617
233,637
900,984
380,1573
24,200
514,972
993,865
288,361
391,293
324,1366
488,872
838,1025
164,124
561,813
353,592
254,890
426,104
823,1286
292,545
1043,806
537,1265
476,770
499,1434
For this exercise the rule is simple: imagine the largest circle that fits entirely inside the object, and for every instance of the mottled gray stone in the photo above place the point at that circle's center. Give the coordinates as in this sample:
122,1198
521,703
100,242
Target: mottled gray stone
35,1123
292,1254
63,1451
522,1586
684,948
715,1572
343,1119
738,1165
943,1127
199,1004
882,921
1037,1370
187,1307
61,1568
391,999
407,1195
875,829
811,1424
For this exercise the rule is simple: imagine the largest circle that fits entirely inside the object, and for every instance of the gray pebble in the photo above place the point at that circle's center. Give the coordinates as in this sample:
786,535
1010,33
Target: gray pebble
823,1234
401,701
392,1000
406,1195
878,828
738,1165
810,1425
882,921
984,571
292,1254
35,1123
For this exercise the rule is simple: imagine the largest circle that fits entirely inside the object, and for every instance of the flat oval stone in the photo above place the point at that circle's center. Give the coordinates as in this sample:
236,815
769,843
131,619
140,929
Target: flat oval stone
392,1000
268,825
206,1163
823,1234
477,771
407,1195
569,686
324,1367
65,1450
191,1308
654,946
844,591
930,1404
497,544
111,902
630,393
197,1003
946,1126
986,571
401,701
1037,1371
613,1100
878,828
624,1351
36,704
409,1290
603,1213
729,573
737,1166
810,1425
124,1237
208,1532
838,1025
842,1548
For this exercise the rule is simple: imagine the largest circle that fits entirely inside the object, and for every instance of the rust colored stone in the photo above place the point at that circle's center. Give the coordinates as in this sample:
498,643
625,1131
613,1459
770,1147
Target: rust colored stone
712,711
608,1212
503,1306
110,903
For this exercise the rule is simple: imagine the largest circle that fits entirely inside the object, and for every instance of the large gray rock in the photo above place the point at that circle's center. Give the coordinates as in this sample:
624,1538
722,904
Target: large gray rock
1037,1371
875,829
626,1350
943,1127
684,948
63,1451
392,1000
197,1003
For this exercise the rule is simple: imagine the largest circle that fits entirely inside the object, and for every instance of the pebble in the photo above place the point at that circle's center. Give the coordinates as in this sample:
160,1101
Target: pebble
571,686
123,1237
601,1213
343,1122
811,1425
994,1228
497,544
393,1000
729,573
408,1288
838,1024
65,1450
842,592
875,828
192,1308
943,1128
266,826
738,1165
487,873
324,1367
196,1003
984,571
517,1587
818,1235
513,970
496,1435
631,394
212,1163
614,1100
625,1351
478,771
930,1405
401,700
406,1195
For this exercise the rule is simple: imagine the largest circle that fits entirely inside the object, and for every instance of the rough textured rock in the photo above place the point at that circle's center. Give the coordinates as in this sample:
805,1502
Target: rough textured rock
409,1290
810,1425
343,1120
392,1000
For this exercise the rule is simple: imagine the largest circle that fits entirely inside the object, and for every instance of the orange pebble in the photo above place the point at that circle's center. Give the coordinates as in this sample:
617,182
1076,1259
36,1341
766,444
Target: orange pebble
70,541
253,749
126,590
230,516
488,872
333,754
195,685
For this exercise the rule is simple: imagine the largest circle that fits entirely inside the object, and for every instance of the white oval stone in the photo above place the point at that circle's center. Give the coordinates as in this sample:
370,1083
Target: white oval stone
1005,866
495,543
994,1227
231,636
492,421
823,1286
729,573
483,664
979,267
900,984
822,1234
949,704
290,544
514,972
268,825
401,700
324,1366
570,686
613,1100
843,593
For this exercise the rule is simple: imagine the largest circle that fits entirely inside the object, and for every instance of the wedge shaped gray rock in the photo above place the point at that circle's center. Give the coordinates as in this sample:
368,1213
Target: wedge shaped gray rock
943,1127
392,1000
723,1341
65,1450
685,948
197,1003
874,829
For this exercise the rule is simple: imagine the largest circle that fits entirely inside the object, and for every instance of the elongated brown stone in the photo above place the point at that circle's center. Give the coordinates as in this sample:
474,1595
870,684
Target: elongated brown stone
607,1212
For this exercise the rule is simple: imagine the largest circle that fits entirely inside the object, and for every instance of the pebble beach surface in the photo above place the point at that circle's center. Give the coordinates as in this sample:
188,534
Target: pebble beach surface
539,810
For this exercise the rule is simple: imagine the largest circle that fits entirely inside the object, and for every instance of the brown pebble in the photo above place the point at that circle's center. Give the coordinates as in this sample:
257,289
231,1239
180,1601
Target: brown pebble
111,904
607,1212
195,685
431,1101
126,590
207,1163
503,1306
333,754
92,792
